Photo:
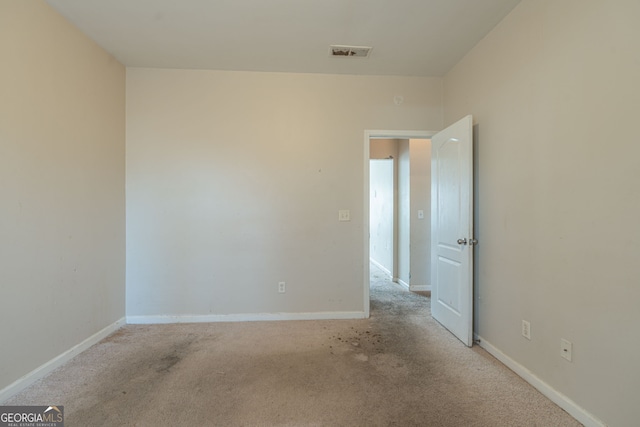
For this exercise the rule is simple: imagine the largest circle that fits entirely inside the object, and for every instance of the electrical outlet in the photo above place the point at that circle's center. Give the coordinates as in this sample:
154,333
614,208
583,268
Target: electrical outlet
566,348
526,329
282,287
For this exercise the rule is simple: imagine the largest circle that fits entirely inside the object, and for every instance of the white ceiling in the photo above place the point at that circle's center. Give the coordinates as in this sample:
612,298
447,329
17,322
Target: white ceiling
409,37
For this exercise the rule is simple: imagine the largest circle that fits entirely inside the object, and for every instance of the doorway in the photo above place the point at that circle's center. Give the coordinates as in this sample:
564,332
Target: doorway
410,243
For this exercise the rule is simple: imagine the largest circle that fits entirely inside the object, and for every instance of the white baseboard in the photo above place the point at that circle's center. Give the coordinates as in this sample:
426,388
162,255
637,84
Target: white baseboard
403,283
382,267
38,373
257,317
420,288
552,394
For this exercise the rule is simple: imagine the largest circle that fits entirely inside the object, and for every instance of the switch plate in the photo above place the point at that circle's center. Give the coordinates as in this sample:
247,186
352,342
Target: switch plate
526,329
344,215
420,214
282,287
566,349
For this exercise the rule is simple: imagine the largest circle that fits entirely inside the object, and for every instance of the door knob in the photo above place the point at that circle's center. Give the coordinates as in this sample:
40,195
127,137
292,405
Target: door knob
462,241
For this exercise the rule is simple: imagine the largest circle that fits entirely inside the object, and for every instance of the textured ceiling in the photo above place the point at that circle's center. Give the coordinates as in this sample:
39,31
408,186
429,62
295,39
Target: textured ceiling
409,37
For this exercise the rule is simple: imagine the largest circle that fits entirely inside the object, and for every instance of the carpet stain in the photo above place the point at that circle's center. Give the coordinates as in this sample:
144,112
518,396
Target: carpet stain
139,374
167,363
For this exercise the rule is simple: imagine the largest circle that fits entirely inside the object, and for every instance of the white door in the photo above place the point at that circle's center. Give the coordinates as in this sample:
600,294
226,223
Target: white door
452,229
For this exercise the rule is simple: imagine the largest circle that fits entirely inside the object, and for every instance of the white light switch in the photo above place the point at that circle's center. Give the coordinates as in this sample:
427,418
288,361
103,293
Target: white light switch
420,214
344,215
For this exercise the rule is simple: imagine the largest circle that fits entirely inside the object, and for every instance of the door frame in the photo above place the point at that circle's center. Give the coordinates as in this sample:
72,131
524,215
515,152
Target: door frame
368,136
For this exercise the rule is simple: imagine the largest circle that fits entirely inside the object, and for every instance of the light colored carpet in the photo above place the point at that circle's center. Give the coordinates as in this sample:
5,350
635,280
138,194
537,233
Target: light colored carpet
398,368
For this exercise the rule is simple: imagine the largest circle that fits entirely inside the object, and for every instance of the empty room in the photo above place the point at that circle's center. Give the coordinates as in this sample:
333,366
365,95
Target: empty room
185,212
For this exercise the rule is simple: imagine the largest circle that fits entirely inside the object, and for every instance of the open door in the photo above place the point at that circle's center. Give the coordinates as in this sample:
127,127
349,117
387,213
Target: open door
452,229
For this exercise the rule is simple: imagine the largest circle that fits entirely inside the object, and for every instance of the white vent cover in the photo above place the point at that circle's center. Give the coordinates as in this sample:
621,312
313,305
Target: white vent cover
350,51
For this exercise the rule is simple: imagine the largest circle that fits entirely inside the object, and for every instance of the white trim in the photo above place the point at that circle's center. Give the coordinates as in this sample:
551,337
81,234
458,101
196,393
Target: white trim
384,269
248,317
45,369
365,229
397,134
571,407
420,288
403,283
369,135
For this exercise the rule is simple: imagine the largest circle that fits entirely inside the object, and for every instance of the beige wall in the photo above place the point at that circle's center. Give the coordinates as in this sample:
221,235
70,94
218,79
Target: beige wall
235,179
403,272
554,92
62,192
383,148
382,214
420,188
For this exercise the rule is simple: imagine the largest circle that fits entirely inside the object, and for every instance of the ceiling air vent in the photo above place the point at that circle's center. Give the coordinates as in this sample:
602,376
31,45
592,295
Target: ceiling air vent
350,51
